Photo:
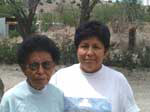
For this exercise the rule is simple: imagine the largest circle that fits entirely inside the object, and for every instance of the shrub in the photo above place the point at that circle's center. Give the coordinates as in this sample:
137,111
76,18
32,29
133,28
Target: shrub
13,33
105,13
49,1
7,52
146,18
129,59
70,16
68,53
47,20
117,57
144,56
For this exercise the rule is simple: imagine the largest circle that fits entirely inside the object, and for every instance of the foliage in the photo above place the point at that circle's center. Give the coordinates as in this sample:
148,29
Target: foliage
70,15
86,8
146,18
2,2
5,10
129,59
49,1
105,13
24,12
117,57
18,9
68,53
132,9
34,27
48,19
145,57
123,12
13,33
148,10
8,52
65,14
125,59
80,10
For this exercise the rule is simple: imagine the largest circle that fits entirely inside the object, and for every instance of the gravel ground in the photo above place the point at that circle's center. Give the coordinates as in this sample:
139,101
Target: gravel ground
138,78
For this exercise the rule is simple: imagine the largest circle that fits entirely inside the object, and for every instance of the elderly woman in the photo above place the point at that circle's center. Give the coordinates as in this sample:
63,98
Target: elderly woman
37,57
91,86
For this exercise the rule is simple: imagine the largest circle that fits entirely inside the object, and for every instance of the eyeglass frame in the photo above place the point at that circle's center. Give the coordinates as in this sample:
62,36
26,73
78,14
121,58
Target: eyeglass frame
30,66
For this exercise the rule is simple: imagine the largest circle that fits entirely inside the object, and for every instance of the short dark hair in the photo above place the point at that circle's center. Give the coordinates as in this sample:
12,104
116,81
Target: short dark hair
92,29
37,43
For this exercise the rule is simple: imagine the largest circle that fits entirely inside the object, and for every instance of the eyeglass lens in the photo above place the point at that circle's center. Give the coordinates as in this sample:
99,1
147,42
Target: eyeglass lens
36,65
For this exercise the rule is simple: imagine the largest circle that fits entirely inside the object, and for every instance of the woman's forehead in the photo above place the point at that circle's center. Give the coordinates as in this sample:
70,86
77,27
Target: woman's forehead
40,55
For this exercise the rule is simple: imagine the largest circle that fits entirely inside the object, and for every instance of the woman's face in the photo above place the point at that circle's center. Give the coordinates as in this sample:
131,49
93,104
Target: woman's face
39,69
91,53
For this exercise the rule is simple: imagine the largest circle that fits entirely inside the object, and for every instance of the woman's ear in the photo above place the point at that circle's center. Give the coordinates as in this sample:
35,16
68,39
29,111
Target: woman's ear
23,67
54,68
106,53
24,70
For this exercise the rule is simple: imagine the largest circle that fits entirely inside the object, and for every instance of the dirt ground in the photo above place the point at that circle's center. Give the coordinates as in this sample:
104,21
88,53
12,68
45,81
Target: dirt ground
138,78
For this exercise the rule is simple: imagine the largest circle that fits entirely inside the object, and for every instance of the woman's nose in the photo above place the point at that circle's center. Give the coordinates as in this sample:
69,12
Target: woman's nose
90,51
40,69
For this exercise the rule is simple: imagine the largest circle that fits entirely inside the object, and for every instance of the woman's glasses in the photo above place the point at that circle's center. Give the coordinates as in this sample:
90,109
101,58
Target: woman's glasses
36,65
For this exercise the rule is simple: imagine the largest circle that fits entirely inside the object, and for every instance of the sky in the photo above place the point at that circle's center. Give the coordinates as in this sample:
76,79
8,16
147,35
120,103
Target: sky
144,2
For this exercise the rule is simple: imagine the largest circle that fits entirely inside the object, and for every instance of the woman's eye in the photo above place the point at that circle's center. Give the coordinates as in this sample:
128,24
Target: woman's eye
96,47
84,46
33,65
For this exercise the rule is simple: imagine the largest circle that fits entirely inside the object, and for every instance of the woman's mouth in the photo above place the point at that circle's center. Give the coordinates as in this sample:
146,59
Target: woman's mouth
89,60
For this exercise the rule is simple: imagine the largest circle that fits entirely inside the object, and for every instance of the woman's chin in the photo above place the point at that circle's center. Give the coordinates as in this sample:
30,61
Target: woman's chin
39,85
89,69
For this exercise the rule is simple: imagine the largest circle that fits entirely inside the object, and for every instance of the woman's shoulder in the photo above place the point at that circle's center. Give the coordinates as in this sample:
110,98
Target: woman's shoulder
113,73
71,68
115,77
14,91
64,74
54,90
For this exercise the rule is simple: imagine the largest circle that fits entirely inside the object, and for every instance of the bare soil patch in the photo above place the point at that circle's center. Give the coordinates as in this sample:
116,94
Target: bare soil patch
138,78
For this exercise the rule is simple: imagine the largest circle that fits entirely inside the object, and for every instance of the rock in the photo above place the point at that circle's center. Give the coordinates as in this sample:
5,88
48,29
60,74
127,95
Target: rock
1,89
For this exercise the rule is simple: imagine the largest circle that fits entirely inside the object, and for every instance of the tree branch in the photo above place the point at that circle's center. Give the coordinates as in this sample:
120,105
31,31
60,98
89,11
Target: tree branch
94,2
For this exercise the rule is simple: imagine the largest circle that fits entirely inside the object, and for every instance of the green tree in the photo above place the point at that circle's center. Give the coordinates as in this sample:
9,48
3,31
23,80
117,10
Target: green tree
132,9
2,2
133,13
5,9
85,6
24,12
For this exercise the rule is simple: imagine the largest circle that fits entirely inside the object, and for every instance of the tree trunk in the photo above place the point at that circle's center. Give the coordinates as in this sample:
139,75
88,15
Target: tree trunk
86,9
25,18
132,38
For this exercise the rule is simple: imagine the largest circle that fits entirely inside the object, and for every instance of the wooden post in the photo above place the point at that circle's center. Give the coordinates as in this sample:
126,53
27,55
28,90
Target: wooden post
132,38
